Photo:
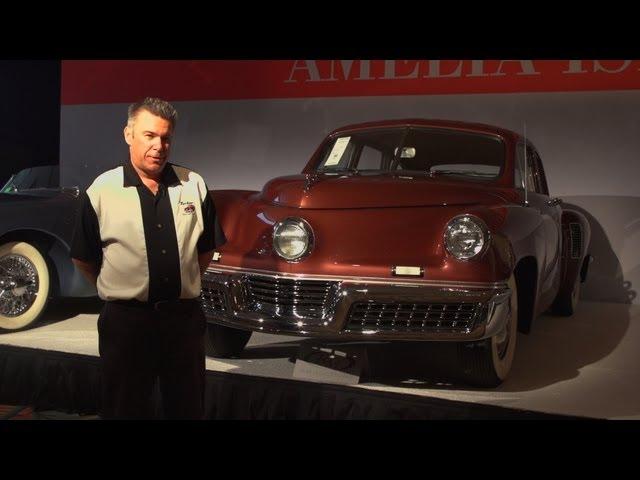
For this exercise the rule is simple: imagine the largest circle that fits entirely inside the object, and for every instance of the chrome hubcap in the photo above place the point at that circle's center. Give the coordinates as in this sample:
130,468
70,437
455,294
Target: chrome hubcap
18,285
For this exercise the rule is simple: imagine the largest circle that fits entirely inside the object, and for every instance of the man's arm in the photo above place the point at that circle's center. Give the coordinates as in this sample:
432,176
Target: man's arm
204,259
86,245
89,270
212,236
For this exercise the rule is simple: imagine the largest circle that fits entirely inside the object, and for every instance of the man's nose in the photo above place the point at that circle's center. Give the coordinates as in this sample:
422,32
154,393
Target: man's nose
158,145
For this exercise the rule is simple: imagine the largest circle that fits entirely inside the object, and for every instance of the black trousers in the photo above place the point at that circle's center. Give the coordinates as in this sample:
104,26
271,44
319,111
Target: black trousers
139,346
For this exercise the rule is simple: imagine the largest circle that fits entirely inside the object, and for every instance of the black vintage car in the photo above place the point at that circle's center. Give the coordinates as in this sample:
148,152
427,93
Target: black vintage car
36,224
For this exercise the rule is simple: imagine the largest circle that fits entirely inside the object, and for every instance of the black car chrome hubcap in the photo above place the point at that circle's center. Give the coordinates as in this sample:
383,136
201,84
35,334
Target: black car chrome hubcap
18,285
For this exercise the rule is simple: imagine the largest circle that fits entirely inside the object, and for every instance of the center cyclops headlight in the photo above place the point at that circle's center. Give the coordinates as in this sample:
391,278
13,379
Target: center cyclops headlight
465,237
292,238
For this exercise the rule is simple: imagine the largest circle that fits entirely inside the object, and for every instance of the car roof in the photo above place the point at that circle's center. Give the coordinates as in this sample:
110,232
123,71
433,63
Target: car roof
435,123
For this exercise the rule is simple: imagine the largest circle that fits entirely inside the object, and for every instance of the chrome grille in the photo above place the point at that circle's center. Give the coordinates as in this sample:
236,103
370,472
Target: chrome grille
305,299
413,317
213,297
576,239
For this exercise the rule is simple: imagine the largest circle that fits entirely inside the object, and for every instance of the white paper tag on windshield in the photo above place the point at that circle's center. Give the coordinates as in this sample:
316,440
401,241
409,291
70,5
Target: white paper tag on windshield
337,151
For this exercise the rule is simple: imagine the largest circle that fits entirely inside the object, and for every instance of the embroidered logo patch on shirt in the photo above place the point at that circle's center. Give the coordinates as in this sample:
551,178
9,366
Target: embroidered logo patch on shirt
189,208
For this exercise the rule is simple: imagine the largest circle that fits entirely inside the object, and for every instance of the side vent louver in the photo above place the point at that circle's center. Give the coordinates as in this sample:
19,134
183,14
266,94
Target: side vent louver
576,239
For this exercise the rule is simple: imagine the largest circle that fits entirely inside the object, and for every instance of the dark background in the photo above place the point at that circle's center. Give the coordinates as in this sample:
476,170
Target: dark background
30,112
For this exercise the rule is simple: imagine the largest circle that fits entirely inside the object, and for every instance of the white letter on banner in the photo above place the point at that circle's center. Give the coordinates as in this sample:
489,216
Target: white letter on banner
310,67
477,69
525,65
597,67
364,73
434,70
575,66
390,70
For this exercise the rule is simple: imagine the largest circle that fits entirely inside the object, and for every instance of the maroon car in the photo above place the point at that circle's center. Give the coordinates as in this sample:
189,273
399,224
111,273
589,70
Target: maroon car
403,230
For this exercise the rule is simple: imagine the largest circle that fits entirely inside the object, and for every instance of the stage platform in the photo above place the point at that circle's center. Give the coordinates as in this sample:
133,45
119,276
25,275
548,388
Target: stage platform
585,366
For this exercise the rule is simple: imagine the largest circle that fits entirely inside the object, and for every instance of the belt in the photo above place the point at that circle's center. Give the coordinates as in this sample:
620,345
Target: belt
161,305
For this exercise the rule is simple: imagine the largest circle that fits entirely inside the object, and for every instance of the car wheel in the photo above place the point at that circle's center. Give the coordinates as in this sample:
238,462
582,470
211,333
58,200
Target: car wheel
565,305
225,342
487,363
24,285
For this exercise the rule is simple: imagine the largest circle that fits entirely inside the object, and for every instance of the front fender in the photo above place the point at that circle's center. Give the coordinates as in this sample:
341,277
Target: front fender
229,207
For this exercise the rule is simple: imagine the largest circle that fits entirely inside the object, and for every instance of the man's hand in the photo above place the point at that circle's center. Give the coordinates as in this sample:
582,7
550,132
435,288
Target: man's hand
88,269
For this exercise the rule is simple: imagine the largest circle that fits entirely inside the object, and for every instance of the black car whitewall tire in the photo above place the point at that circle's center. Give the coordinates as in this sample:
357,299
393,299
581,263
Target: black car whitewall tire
487,363
24,285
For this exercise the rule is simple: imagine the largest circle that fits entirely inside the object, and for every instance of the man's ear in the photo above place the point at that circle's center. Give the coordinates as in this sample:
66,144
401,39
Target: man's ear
128,135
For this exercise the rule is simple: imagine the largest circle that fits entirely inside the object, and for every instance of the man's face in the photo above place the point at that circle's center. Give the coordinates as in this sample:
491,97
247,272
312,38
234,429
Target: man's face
149,142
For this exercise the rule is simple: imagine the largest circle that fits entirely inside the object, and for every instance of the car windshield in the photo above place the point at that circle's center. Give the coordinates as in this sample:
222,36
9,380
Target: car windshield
414,150
32,178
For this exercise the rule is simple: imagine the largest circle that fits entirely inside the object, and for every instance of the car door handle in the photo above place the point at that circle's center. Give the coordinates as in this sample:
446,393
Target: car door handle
554,202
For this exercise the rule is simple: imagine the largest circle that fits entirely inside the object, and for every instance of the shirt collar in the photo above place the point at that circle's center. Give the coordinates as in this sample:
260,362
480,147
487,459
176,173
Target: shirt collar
132,179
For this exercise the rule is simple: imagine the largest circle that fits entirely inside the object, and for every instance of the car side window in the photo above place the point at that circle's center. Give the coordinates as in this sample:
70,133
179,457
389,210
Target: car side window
519,180
538,170
370,159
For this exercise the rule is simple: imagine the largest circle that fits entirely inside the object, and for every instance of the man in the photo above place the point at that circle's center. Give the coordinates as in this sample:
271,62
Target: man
145,234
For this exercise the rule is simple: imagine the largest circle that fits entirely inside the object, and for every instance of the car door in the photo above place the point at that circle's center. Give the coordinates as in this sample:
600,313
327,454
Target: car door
550,212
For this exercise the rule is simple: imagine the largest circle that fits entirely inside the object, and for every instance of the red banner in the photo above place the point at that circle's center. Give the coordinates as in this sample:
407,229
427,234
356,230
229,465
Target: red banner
100,81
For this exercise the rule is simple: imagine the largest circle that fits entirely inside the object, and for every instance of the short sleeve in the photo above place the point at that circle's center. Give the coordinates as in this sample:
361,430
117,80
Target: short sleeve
212,235
86,244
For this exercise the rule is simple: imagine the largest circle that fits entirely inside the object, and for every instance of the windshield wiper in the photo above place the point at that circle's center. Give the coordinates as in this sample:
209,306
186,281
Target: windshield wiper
472,173
338,170
10,189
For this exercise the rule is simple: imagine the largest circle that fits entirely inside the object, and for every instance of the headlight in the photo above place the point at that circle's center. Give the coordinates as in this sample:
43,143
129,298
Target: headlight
292,238
465,237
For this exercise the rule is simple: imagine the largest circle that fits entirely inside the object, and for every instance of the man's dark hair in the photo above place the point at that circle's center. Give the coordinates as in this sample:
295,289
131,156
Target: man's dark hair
156,106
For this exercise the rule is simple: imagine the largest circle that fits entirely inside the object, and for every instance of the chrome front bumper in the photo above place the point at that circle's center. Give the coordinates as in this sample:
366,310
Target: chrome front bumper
353,308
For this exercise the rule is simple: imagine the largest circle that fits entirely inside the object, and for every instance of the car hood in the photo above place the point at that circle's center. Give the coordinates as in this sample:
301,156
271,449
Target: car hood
375,191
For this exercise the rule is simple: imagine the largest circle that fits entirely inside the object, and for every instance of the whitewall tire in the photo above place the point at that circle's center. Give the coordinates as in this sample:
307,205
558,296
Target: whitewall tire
24,285
487,363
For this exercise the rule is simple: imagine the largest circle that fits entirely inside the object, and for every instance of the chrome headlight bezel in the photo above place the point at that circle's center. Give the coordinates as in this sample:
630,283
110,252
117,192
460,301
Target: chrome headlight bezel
477,221
299,223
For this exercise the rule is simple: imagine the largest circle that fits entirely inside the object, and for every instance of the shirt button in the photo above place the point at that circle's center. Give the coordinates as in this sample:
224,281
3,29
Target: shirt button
164,251
159,225
166,279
